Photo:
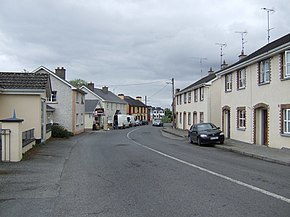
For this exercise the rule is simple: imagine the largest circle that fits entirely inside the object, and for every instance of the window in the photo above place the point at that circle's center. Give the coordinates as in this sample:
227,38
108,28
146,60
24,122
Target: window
77,119
82,119
228,82
180,100
180,118
287,64
201,94
189,97
189,118
52,98
201,117
195,95
184,98
264,72
241,120
286,121
77,97
241,79
82,100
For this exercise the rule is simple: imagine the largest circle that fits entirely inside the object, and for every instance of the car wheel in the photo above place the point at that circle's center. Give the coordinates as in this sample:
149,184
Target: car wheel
189,140
198,141
222,142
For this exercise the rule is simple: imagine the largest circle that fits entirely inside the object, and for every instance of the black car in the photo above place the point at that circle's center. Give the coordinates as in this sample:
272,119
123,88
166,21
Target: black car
205,133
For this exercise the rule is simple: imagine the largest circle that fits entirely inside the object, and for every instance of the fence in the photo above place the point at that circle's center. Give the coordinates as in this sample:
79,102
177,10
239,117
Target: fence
6,141
27,137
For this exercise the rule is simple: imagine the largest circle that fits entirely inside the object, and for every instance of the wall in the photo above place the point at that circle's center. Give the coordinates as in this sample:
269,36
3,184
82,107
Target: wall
27,107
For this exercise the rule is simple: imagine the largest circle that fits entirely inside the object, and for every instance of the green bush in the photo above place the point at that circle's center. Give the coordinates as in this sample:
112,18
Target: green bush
58,131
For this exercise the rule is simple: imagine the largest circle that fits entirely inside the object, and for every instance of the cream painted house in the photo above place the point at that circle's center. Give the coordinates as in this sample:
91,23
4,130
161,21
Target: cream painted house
23,96
67,100
109,102
255,96
195,104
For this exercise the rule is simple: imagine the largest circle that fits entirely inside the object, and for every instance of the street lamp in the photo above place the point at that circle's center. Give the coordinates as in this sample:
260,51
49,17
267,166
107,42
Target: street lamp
173,112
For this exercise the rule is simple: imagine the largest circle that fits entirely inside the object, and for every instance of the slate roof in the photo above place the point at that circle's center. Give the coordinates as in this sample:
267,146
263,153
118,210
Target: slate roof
90,105
134,102
199,82
23,80
109,96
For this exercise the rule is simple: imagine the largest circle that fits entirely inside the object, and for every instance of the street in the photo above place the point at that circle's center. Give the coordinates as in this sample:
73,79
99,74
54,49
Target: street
141,172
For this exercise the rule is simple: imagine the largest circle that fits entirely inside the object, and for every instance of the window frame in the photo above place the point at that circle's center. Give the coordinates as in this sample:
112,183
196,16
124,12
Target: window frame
184,98
189,97
195,95
287,65
286,121
265,73
228,82
189,118
241,118
241,79
201,93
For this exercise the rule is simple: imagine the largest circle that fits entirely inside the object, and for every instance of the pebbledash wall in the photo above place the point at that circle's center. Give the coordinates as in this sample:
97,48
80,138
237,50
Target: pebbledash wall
263,104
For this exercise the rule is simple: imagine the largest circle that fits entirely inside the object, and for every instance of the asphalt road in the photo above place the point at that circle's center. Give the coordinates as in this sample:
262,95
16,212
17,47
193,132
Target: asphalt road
141,172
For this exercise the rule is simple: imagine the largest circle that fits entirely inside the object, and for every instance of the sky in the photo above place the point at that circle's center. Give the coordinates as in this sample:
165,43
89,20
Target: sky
135,47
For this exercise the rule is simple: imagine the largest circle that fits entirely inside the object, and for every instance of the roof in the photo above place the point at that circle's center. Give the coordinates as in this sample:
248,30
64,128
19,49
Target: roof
199,82
134,102
90,105
23,80
108,96
265,49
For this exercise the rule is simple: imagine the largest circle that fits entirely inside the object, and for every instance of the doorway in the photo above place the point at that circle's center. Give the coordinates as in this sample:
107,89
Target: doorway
226,122
261,125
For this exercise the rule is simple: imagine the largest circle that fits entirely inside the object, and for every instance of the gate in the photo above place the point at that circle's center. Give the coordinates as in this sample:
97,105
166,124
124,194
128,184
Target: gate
5,144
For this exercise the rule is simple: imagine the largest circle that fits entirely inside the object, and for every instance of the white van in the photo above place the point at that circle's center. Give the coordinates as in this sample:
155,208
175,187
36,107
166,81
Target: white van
121,121
132,120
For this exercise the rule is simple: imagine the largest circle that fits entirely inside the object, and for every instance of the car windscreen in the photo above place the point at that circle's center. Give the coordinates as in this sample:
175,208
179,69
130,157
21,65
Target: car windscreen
202,127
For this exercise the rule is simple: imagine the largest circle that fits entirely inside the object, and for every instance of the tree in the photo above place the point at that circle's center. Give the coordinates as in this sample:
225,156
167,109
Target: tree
78,83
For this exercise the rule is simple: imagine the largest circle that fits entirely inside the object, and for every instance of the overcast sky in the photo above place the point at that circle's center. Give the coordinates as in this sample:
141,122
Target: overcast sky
119,43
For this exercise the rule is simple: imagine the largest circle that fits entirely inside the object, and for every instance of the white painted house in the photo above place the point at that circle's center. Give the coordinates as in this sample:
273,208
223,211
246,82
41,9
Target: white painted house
255,96
67,100
109,103
195,104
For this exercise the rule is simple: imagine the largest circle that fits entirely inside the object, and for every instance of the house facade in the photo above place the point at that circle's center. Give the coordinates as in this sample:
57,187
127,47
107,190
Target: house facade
67,100
109,103
196,104
23,97
157,113
135,107
255,99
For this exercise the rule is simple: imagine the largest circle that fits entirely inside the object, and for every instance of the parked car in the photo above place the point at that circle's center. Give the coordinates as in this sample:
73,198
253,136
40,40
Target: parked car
157,122
205,133
144,122
138,123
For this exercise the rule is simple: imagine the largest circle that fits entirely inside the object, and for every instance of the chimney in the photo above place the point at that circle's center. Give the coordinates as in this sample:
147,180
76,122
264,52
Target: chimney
224,65
60,72
139,98
210,71
177,90
105,89
91,86
121,96
242,55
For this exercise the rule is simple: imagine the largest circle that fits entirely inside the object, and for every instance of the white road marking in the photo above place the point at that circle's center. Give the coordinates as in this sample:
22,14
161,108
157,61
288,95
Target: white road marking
277,196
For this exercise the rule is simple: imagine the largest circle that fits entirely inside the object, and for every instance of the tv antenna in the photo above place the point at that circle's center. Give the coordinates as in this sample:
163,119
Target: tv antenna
201,59
243,34
268,18
221,46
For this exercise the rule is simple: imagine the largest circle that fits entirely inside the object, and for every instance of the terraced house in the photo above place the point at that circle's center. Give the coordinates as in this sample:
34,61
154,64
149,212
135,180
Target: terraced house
255,96
198,103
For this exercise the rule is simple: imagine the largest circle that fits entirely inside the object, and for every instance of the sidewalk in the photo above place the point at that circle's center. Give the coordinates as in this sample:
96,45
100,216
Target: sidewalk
280,156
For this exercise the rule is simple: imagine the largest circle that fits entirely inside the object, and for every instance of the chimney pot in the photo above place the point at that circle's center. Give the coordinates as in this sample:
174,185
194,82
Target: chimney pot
91,86
105,89
60,72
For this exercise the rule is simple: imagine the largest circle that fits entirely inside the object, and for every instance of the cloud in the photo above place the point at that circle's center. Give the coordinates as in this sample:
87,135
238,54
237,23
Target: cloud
133,41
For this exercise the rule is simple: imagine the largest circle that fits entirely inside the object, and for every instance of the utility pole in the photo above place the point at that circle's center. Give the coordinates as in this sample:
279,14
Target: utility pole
268,18
173,112
221,46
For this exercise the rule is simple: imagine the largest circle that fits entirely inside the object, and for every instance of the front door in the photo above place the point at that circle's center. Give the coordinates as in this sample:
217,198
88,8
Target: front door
261,129
226,123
